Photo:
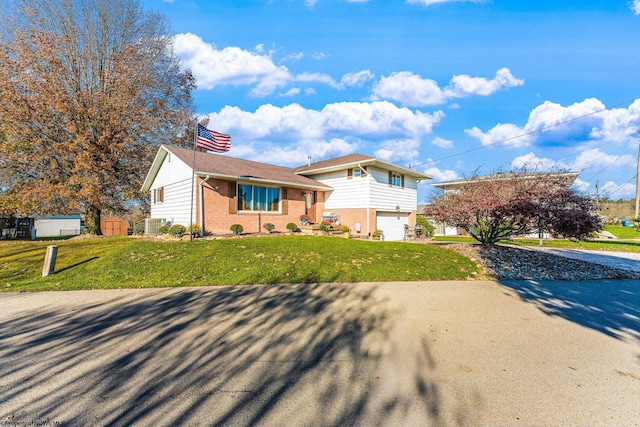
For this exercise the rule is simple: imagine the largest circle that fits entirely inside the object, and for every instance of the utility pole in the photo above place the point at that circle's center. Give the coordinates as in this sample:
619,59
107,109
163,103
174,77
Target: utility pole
638,185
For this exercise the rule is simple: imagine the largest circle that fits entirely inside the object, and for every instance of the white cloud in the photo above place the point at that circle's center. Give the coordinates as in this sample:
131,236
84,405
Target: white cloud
413,90
229,66
357,79
635,7
317,78
596,160
581,185
410,89
442,143
615,191
510,134
531,161
233,66
376,121
397,150
293,57
593,160
432,2
464,85
296,154
554,124
292,92
440,175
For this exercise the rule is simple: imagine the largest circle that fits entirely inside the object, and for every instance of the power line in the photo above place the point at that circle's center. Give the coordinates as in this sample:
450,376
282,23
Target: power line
524,134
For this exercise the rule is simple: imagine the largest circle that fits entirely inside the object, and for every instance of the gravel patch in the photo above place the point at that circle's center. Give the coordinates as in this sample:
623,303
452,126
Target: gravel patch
509,263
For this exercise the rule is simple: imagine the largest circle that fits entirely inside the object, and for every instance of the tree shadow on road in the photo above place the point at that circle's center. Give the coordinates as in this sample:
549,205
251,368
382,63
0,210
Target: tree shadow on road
245,355
608,306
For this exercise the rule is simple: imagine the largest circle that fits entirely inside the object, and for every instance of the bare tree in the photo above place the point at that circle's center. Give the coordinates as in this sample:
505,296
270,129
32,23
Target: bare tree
89,90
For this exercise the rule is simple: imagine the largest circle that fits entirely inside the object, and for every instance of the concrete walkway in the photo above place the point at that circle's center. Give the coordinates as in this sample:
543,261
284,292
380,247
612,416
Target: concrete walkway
384,354
623,260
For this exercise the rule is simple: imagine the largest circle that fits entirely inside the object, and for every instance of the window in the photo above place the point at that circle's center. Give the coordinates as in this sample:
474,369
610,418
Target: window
254,198
357,173
396,180
158,195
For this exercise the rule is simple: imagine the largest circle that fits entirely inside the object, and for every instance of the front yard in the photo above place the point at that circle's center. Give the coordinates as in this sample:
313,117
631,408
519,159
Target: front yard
122,262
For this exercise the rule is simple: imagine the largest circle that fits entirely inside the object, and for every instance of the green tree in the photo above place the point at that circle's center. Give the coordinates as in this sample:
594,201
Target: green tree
89,90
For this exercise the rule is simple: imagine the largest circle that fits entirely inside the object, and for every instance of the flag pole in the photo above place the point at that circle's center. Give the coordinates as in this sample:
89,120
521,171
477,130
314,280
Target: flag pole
193,178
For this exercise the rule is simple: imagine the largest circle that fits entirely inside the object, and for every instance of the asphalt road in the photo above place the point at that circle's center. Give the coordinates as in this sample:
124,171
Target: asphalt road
383,354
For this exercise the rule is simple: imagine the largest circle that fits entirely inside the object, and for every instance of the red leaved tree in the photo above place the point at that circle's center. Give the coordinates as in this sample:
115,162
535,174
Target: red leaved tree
89,89
504,205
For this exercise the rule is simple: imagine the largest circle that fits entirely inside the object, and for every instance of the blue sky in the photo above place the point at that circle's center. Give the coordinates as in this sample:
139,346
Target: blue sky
447,87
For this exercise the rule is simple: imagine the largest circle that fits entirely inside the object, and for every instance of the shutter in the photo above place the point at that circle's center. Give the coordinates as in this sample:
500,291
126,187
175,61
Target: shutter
364,172
154,195
233,200
349,173
285,201
402,181
390,178
161,194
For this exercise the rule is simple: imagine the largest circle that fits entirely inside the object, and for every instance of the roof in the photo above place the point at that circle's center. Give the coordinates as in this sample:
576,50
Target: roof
569,177
355,160
230,168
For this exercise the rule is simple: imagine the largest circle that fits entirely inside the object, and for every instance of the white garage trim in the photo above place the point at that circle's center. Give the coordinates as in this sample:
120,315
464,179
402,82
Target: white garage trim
392,224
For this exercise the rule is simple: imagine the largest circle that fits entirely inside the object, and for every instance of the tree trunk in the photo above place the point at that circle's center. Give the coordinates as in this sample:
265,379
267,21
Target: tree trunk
92,221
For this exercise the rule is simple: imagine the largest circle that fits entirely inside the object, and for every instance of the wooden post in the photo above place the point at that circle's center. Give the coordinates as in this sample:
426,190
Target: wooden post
50,261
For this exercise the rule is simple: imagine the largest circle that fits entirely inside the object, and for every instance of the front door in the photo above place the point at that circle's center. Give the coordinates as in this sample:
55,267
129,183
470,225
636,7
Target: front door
310,205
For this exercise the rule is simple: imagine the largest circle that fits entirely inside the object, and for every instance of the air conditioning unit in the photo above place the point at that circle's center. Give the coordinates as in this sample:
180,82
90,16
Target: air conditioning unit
152,225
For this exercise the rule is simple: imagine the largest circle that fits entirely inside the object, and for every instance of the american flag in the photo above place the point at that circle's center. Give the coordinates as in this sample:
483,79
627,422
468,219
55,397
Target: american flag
211,140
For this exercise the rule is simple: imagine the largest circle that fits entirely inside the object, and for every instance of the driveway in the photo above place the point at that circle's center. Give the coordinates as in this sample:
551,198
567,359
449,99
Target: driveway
384,354
624,260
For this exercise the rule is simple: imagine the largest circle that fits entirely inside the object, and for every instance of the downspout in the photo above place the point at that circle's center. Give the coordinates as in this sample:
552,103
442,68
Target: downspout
368,199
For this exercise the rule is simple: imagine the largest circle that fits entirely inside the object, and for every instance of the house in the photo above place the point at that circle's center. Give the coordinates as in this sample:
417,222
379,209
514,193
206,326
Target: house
563,178
359,191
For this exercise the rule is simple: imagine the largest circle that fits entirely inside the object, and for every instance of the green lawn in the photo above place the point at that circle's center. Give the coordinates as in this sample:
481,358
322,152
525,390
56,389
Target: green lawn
622,232
122,262
595,245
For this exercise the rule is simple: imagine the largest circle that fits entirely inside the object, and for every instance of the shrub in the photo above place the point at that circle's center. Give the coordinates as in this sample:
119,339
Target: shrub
139,228
236,228
177,230
427,227
345,228
268,226
324,227
292,227
194,229
163,230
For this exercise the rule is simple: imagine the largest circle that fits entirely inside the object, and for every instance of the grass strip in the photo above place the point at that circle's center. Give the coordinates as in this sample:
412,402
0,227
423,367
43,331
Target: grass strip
122,262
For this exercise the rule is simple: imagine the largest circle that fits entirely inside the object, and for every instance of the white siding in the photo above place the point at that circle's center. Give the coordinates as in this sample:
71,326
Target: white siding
387,198
371,191
347,193
51,227
176,178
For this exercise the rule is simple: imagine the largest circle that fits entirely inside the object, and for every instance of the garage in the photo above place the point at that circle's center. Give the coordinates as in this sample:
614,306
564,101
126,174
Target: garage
392,224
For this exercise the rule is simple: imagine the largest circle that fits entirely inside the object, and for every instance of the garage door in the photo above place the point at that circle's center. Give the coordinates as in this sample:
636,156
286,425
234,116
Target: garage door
392,224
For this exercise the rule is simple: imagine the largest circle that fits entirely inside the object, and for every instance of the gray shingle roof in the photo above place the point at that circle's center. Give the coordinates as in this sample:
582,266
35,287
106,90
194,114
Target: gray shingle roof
233,168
